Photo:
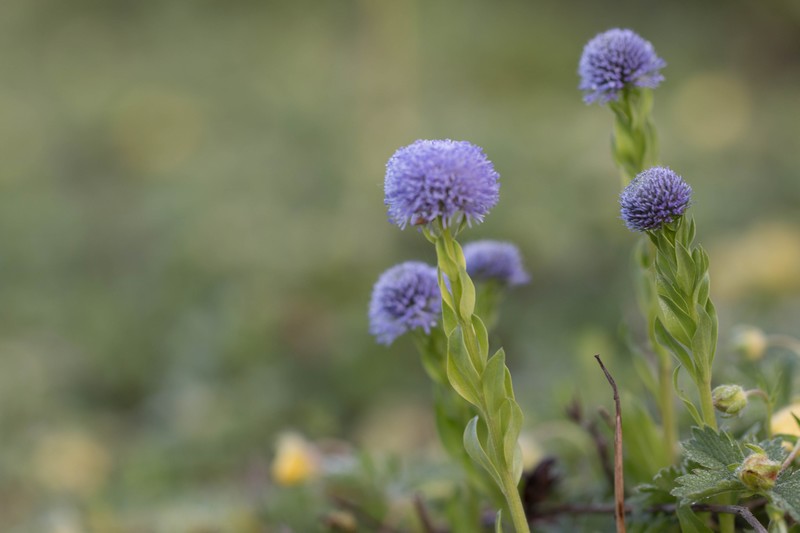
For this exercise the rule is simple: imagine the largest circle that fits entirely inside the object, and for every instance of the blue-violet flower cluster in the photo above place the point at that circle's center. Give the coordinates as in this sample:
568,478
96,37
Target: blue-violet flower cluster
404,298
655,197
614,60
427,180
495,261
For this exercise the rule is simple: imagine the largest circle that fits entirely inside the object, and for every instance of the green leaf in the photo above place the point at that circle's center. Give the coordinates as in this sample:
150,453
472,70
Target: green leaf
786,493
685,399
686,269
711,449
701,290
704,341
677,321
702,483
498,522
475,450
774,449
460,371
449,318
690,522
512,425
482,335
445,262
467,303
665,339
492,382
658,491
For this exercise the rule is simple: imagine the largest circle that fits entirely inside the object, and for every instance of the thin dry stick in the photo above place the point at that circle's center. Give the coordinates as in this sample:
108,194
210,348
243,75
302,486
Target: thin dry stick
424,517
789,460
619,483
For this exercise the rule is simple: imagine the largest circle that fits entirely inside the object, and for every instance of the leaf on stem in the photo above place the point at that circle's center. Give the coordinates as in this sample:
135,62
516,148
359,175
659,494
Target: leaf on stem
475,450
460,371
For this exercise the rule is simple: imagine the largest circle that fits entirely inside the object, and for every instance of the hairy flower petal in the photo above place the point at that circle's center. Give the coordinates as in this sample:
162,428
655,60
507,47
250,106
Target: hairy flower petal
615,59
495,261
404,298
427,180
655,197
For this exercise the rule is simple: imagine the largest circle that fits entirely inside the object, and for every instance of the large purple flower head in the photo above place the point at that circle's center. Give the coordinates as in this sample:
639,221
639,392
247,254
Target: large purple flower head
405,297
655,197
495,261
616,59
453,180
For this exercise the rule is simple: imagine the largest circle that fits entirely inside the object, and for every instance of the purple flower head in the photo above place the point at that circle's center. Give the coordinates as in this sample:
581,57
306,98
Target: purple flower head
495,261
405,297
655,197
616,59
453,180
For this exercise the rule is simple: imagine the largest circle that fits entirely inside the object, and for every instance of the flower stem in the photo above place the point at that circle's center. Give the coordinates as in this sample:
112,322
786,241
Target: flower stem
469,374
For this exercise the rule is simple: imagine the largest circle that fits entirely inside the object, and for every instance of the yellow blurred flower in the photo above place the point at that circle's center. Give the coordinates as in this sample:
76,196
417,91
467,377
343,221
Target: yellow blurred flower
72,461
784,423
296,460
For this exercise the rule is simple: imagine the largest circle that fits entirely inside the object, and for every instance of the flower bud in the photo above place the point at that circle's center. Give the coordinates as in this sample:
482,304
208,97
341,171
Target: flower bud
750,342
758,472
729,399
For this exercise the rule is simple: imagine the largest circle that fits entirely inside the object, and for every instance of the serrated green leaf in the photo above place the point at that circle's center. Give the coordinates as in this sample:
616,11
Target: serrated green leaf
492,382
658,490
460,372
774,449
702,483
711,449
690,522
685,399
476,451
786,493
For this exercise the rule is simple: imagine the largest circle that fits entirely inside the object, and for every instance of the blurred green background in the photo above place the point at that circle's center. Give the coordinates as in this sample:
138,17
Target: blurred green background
191,221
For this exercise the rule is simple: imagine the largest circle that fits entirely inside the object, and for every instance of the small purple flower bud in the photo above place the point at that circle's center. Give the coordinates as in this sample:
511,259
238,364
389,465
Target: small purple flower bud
654,198
451,180
758,472
729,399
614,60
495,261
404,298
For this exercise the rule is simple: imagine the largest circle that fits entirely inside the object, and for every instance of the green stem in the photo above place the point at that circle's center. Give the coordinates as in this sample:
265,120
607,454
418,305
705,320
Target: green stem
706,403
666,404
508,485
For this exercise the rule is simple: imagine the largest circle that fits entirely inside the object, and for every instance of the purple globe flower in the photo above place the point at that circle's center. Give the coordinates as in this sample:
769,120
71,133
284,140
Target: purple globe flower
655,197
614,60
427,180
404,298
495,261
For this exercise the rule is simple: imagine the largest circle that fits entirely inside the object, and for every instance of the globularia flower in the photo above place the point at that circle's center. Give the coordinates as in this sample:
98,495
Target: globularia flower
655,197
453,180
495,260
404,298
615,59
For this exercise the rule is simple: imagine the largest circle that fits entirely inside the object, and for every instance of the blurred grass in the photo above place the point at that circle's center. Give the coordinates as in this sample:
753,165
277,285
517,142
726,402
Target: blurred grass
191,221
